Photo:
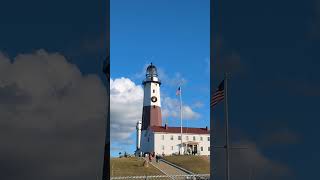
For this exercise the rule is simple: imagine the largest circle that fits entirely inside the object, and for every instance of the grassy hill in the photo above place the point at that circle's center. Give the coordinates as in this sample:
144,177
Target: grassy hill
195,164
131,166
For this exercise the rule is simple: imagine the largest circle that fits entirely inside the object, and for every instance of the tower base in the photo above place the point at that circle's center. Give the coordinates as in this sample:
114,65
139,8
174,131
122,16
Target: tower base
151,116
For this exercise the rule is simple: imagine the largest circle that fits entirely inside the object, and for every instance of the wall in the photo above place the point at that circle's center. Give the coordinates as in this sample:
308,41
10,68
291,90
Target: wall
145,145
168,143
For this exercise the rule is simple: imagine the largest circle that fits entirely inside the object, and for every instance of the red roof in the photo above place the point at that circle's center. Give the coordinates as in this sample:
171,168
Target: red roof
178,130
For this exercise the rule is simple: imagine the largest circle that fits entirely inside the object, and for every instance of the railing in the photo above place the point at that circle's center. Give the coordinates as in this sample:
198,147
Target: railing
167,177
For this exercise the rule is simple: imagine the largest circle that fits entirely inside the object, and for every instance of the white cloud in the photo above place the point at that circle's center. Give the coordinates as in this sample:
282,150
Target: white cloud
126,102
51,113
198,104
171,108
52,84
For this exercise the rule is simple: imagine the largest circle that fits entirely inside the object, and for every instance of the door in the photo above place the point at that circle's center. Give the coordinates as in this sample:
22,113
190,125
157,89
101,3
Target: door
195,148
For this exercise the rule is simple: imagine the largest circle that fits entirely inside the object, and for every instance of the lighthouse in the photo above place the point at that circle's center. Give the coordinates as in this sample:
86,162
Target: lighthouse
152,137
151,115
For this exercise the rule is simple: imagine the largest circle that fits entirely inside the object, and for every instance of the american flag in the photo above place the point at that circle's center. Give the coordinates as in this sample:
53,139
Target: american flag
178,91
218,95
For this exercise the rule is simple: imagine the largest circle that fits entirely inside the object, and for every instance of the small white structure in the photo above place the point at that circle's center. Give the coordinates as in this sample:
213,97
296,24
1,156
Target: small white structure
138,128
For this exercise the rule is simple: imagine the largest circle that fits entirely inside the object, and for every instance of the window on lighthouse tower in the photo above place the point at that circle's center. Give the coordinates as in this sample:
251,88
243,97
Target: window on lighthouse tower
153,91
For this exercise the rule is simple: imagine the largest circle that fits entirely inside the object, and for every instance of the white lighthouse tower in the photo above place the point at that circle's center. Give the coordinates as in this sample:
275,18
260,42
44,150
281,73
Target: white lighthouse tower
151,115
138,127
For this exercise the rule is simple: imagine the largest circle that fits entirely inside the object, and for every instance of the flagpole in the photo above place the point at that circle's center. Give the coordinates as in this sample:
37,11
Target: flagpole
181,120
226,126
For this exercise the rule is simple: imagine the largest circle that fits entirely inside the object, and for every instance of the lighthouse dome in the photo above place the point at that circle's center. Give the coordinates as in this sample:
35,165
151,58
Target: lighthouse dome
151,71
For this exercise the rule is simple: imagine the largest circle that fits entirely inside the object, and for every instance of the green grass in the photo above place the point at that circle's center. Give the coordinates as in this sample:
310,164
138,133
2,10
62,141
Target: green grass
131,166
195,164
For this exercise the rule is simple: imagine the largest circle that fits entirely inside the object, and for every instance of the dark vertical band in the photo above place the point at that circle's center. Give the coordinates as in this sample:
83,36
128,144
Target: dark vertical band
106,70
212,55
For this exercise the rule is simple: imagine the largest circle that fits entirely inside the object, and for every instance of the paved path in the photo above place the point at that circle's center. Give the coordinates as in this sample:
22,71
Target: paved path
168,169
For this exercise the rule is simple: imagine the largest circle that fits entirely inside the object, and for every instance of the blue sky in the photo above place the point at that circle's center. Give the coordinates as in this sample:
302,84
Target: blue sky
175,36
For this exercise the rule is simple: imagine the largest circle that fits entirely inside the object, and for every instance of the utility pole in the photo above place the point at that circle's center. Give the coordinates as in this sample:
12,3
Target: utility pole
181,148
227,146
226,126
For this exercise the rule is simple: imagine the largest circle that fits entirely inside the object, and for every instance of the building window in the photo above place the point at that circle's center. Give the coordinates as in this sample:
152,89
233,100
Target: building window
171,147
209,138
187,137
201,148
153,91
179,137
201,139
171,137
162,147
162,137
209,148
194,138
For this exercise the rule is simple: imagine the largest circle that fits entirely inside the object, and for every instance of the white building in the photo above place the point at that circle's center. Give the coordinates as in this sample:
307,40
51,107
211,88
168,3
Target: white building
167,140
153,137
